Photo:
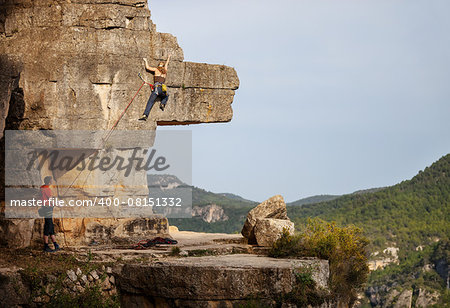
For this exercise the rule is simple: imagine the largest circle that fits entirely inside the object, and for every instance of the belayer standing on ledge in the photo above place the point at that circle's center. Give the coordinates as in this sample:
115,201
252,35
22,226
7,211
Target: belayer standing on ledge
49,229
159,90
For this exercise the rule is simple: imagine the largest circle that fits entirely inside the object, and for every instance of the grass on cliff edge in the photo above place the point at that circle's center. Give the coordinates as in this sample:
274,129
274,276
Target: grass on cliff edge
344,247
37,265
42,262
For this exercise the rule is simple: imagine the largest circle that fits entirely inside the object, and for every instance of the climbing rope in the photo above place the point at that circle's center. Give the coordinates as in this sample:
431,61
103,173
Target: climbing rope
126,108
111,130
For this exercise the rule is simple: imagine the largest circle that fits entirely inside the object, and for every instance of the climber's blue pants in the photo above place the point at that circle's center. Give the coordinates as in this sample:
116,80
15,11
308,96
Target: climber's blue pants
157,92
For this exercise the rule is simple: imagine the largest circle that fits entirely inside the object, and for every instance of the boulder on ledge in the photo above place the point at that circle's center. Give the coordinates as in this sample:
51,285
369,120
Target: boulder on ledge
269,230
274,207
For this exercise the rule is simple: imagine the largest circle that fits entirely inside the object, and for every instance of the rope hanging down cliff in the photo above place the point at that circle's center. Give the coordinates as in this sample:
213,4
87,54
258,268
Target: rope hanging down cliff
111,130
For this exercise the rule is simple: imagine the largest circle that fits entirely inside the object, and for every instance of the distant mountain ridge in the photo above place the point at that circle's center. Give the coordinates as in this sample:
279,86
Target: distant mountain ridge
235,197
313,199
325,198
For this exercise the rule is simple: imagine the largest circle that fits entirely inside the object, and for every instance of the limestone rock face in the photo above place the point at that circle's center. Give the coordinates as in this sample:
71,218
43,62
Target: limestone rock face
15,232
113,231
210,213
268,230
68,65
274,207
74,64
404,299
426,298
19,233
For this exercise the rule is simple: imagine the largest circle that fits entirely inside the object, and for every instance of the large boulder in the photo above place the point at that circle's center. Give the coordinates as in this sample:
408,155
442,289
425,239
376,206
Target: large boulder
274,207
268,230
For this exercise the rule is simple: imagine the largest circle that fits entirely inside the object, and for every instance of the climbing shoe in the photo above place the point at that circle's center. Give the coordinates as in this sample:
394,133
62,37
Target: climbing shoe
162,106
143,118
56,247
48,249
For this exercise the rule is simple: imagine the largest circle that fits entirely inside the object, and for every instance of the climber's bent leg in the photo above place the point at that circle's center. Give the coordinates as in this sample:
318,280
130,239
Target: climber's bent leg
150,103
164,102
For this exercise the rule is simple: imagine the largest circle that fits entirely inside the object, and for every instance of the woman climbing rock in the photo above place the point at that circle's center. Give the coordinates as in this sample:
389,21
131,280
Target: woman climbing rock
159,89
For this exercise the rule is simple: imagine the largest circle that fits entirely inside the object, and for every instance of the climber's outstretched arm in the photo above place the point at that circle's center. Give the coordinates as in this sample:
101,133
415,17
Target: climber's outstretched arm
148,67
167,62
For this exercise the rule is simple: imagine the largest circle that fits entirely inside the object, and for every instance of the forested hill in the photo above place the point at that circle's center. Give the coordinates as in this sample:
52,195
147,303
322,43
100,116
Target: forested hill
409,214
313,199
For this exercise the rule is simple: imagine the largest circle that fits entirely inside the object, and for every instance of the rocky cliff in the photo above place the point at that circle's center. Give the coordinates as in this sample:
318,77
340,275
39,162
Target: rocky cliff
210,213
73,64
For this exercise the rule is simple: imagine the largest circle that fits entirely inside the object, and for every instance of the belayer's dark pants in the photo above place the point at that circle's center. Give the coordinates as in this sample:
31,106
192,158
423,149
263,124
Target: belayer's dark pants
157,92
49,228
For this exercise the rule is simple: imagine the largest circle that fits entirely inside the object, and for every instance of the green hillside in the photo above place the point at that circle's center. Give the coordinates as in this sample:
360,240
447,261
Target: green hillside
235,197
325,198
406,215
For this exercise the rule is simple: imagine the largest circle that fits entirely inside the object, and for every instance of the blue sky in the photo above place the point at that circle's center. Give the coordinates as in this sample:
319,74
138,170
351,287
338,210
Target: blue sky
335,96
